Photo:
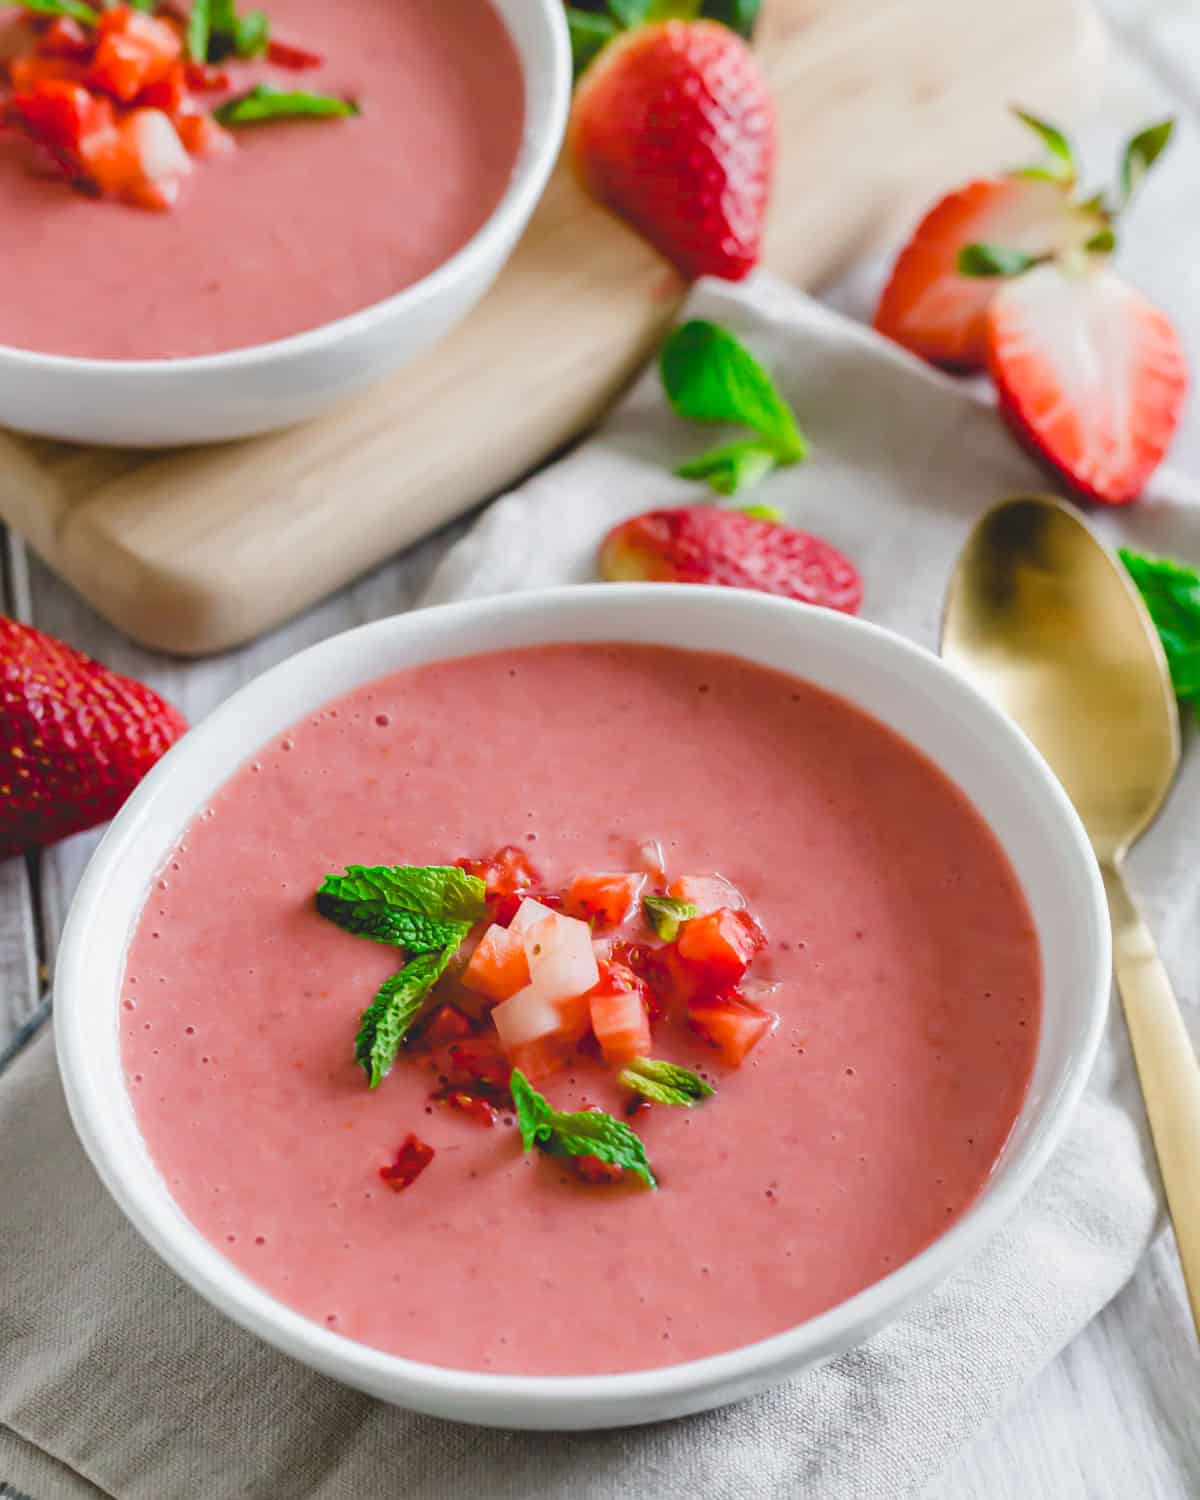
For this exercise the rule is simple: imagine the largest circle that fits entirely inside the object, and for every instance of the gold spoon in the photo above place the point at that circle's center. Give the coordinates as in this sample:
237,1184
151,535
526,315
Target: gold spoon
1048,625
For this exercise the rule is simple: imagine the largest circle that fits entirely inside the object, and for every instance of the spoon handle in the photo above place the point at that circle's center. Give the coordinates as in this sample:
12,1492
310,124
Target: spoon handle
1167,1067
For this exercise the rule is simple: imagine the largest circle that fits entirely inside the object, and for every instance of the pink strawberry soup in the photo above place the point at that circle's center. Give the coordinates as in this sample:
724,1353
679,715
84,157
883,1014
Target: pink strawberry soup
900,976
306,221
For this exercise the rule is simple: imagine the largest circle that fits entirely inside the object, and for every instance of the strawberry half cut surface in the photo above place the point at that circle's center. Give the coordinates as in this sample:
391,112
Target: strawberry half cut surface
75,738
705,544
938,313
673,128
1090,375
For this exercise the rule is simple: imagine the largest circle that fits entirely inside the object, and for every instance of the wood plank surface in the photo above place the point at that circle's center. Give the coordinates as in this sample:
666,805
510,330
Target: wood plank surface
880,101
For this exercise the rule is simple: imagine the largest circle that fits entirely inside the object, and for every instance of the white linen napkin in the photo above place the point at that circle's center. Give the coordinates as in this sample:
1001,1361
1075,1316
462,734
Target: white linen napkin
116,1380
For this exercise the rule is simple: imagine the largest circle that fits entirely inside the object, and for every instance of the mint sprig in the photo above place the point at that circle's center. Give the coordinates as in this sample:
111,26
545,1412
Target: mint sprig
664,1082
710,376
76,10
265,103
391,924
665,913
585,1132
1171,592
215,29
389,1017
443,892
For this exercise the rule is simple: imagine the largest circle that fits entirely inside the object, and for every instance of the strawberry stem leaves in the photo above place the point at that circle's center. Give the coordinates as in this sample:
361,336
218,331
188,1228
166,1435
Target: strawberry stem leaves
1140,154
710,376
983,259
1059,164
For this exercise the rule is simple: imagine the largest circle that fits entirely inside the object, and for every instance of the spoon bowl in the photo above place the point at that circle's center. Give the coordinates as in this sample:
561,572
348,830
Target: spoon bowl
1047,623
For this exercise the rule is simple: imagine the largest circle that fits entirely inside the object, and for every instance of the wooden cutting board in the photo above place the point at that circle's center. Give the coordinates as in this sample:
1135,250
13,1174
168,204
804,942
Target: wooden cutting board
881,102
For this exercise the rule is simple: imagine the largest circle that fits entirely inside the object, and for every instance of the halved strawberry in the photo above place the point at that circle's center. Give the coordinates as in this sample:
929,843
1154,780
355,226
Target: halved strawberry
730,1022
935,311
719,947
1090,375
619,1015
133,50
705,544
605,898
498,967
673,127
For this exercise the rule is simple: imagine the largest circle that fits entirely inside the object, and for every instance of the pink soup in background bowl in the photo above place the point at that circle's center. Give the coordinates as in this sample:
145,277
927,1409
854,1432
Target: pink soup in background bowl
314,257
931,951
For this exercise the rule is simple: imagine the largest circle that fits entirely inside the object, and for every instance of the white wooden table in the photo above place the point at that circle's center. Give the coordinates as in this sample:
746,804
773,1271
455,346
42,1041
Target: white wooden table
1117,1416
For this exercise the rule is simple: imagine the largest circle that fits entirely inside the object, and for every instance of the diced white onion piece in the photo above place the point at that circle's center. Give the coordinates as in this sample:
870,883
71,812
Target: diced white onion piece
161,152
561,961
528,914
525,1017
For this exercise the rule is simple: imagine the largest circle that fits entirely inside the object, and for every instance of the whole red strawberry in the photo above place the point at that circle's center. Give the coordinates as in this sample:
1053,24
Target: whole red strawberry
673,128
705,544
75,738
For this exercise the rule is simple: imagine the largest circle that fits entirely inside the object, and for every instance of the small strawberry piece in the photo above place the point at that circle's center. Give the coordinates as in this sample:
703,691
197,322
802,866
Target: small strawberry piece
1090,375
447,1024
142,162
75,738
65,37
411,1160
474,1106
940,314
730,1022
202,79
605,898
133,50
62,116
599,1173
539,1058
705,544
706,893
498,967
670,983
619,1015
720,946
201,135
478,1065
508,876
284,55
25,73
673,127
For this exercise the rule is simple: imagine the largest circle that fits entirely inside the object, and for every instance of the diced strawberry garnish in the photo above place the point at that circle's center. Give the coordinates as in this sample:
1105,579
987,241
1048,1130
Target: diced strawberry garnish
669,981
143,161
478,1061
474,1106
619,1015
25,73
447,1024
62,115
133,50
706,892
202,79
284,55
539,1058
203,136
498,967
1090,375
593,1170
168,93
605,898
411,1160
730,1022
65,37
720,946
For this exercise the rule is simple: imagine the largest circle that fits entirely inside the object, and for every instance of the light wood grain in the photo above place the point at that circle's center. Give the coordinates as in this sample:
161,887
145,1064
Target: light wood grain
879,101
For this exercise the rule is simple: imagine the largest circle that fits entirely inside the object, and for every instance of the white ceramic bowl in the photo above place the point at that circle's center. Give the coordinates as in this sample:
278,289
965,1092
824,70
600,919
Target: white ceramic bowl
902,685
141,403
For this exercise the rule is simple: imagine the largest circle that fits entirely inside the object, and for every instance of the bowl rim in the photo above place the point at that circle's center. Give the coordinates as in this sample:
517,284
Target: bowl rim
472,1393
541,142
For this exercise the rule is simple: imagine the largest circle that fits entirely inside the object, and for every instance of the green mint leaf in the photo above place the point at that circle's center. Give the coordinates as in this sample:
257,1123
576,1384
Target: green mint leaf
224,16
664,914
1060,163
763,513
377,920
443,892
533,1110
146,6
629,13
390,1016
86,15
199,30
1140,155
265,103
251,33
709,376
664,1082
589,33
1103,242
587,1132
1171,592
739,15
736,466
982,259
